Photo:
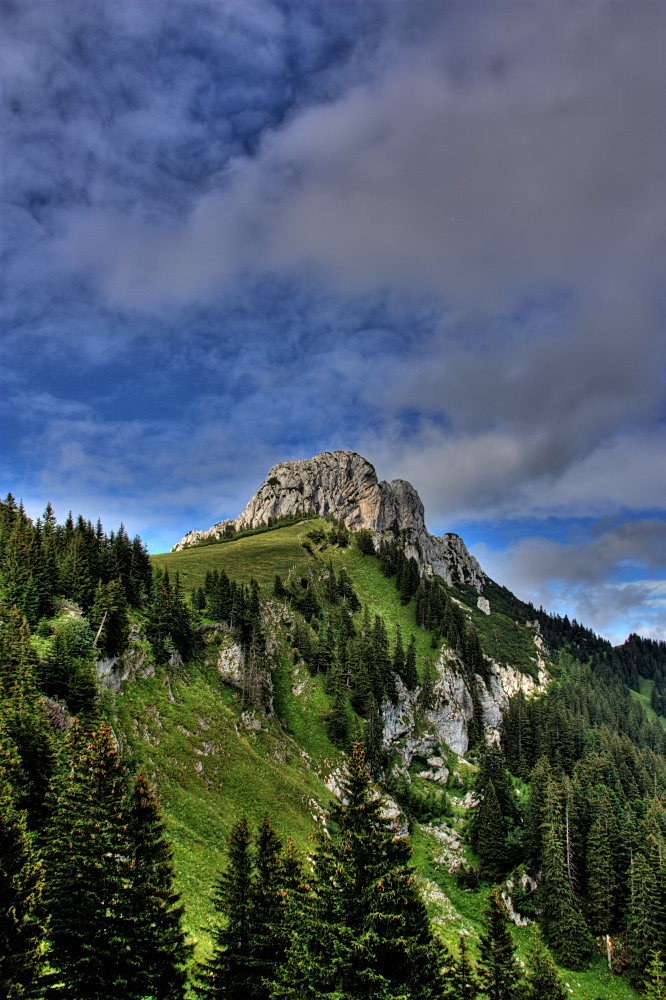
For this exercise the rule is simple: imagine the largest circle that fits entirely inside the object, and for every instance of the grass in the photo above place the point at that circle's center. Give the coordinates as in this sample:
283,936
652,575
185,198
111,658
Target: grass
260,556
210,770
188,734
644,694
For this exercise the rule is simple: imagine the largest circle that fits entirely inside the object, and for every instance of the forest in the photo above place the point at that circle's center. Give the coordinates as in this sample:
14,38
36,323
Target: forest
566,826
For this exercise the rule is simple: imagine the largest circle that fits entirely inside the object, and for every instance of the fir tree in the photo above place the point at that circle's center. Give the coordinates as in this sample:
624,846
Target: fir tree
542,980
410,676
491,835
498,968
87,851
159,953
21,932
268,928
366,931
655,986
459,976
226,976
563,926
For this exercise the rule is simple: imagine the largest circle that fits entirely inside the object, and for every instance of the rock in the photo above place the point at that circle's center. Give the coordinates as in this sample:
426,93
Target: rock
447,722
345,484
230,663
483,604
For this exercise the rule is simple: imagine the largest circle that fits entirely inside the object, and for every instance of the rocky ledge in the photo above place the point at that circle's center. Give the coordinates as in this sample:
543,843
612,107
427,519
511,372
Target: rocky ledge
345,484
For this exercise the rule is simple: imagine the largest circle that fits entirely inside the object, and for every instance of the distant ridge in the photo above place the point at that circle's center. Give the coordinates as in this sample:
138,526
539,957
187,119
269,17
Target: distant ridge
345,484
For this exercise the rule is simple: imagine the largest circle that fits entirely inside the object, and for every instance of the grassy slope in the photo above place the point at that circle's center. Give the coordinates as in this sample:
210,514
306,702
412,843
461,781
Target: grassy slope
258,556
644,695
268,772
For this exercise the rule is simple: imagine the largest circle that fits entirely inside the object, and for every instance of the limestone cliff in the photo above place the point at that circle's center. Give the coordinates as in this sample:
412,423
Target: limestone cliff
413,732
346,485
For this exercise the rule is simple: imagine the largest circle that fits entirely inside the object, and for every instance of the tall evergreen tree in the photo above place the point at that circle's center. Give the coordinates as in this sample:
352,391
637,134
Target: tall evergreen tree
268,929
542,980
366,931
87,851
655,987
498,968
459,977
226,975
159,954
563,925
21,932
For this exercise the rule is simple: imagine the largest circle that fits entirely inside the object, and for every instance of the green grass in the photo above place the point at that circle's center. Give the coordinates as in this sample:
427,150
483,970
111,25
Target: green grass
260,556
644,694
210,770
281,769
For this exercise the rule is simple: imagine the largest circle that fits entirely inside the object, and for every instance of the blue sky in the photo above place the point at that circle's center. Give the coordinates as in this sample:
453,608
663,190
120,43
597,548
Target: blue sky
240,232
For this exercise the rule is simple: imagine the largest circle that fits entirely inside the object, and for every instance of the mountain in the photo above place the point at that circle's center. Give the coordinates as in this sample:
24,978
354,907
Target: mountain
345,485
237,671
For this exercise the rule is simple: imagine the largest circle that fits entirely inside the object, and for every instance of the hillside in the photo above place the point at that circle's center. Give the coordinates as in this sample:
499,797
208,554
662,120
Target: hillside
247,667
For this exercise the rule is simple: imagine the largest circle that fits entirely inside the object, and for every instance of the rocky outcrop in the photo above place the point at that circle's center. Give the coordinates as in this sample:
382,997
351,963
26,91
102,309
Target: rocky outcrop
344,484
413,732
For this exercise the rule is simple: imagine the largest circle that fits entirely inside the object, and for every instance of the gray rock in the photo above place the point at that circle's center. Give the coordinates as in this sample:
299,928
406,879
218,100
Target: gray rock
345,484
447,722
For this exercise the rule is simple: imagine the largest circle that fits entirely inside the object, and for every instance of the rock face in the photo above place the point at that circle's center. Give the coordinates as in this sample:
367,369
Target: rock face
447,722
345,484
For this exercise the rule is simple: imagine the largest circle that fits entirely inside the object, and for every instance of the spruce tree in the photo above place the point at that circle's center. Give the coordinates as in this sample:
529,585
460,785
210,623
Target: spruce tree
226,975
542,980
498,968
365,932
87,853
21,931
268,925
491,845
655,986
459,977
410,676
562,923
158,953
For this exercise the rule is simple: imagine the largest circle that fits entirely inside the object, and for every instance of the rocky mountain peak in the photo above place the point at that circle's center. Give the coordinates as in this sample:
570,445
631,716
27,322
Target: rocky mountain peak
345,484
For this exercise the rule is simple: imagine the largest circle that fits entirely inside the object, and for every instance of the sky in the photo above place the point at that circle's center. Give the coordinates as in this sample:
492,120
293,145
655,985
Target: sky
237,232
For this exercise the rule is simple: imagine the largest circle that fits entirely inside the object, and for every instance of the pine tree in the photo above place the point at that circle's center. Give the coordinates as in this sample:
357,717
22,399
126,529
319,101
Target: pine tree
159,953
21,931
267,912
459,977
337,718
410,676
655,987
542,980
109,618
225,976
366,933
498,968
87,851
491,835
563,926
646,916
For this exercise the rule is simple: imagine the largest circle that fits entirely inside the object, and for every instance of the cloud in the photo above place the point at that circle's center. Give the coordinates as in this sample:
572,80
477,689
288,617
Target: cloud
592,576
523,177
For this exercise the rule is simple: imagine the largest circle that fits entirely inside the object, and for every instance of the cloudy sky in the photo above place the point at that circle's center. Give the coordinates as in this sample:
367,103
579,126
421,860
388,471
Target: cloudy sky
241,231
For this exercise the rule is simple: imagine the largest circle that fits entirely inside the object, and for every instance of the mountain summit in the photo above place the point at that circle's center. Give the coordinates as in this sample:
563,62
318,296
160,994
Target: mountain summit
345,485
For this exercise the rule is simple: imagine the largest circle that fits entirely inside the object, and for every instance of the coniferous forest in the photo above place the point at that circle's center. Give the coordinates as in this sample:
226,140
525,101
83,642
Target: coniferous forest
565,824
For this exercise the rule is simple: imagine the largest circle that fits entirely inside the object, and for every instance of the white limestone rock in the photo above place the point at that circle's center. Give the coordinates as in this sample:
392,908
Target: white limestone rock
447,722
346,485
230,663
